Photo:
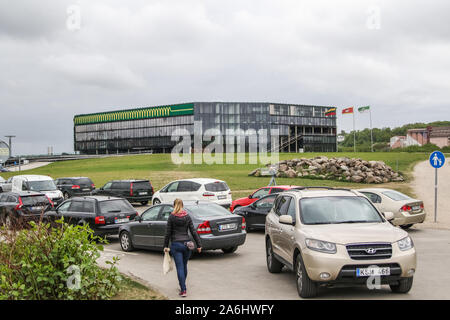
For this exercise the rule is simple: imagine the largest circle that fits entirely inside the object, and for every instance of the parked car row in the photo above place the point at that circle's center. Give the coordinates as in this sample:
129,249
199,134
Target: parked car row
326,236
108,211
36,183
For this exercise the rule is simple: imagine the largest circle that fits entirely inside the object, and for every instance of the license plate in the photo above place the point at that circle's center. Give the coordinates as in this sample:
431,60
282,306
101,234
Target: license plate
367,272
143,193
122,220
87,189
221,197
228,226
37,208
415,208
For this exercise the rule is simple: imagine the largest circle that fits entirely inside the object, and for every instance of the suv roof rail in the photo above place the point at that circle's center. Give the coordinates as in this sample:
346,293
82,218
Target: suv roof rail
321,187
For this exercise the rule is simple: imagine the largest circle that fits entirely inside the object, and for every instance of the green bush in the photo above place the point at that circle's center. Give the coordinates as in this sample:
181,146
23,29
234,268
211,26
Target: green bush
47,262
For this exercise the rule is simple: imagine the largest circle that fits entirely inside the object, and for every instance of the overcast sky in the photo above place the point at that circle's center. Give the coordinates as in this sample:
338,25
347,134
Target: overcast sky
392,55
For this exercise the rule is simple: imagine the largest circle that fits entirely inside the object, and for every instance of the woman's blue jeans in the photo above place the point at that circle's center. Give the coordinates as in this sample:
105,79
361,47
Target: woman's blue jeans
181,255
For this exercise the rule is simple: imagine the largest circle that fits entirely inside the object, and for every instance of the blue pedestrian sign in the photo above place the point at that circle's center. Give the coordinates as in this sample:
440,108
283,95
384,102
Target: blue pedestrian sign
437,159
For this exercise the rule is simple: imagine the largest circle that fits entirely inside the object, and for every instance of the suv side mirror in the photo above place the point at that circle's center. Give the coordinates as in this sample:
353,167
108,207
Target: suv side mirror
286,219
388,216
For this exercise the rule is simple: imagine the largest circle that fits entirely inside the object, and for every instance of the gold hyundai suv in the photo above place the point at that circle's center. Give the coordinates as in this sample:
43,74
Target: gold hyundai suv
331,236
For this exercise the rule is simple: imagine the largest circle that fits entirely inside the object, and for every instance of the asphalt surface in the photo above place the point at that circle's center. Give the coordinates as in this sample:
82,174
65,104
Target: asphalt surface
423,186
32,165
244,275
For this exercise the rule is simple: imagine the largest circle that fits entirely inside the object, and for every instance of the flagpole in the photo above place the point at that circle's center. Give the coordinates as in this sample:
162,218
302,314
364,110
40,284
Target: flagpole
354,133
371,130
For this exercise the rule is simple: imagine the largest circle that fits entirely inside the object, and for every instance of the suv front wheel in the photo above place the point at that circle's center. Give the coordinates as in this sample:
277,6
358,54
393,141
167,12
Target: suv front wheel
306,288
403,285
273,265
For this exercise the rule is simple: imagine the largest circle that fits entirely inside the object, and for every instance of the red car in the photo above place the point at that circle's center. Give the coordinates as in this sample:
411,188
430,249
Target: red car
261,192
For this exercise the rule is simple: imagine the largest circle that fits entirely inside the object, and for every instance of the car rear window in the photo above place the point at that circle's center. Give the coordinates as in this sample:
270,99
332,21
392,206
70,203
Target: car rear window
142,185
83,181
207,210
111,207
395,195
216,186
34,200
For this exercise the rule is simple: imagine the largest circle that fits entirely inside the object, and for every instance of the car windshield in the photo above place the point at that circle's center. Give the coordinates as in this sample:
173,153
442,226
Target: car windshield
333,210
395,195
207,210
44,185
115,206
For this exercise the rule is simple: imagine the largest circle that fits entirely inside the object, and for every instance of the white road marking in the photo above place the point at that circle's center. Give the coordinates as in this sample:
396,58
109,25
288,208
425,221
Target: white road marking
120,252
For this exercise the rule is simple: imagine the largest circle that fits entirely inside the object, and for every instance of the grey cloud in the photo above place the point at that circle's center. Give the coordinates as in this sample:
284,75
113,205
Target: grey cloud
159,52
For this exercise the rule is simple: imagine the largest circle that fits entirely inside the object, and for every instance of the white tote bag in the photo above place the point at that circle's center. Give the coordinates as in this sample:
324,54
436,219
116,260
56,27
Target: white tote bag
167,263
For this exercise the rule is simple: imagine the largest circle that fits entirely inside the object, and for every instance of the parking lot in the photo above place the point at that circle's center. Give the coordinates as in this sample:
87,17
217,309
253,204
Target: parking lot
244,275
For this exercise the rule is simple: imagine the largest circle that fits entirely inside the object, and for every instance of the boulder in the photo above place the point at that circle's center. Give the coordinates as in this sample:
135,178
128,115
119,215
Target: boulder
357,179
342,168
291,173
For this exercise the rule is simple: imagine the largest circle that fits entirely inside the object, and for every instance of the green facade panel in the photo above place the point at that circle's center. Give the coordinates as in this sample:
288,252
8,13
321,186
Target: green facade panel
135,114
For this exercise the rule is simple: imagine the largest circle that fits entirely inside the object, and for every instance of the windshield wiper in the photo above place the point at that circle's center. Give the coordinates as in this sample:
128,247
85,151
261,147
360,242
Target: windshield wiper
353,221
113,211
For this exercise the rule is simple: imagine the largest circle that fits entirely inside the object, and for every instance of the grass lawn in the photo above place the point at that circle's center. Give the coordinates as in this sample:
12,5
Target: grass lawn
160,170
133,290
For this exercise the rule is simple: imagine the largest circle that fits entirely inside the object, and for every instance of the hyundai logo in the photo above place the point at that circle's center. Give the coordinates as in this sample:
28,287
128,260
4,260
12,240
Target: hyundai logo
371,251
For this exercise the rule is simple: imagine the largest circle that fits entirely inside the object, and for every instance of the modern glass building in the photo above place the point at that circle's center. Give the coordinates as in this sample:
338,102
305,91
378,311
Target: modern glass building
301,127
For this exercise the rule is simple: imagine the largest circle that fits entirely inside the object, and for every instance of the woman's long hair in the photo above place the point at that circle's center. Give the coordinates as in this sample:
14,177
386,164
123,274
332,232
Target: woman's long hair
177,206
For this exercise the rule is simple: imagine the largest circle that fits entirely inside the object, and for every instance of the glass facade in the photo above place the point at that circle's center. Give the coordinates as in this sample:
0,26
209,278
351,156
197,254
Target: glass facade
300,127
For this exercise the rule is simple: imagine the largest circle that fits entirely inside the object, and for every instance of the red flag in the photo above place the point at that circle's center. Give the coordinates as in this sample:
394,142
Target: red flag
347,111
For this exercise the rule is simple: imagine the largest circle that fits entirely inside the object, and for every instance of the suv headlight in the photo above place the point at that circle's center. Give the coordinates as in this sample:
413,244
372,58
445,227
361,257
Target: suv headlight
321,246
405,244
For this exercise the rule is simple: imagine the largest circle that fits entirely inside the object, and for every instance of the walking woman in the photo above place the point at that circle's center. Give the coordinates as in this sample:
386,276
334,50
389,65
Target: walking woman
178,224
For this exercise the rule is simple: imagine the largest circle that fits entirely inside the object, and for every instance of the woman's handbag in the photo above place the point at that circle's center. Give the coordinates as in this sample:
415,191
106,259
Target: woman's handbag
167,263
190,245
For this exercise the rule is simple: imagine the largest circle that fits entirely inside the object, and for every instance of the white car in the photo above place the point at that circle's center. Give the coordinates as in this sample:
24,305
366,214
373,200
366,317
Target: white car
216,191
2,181
407,211
37,183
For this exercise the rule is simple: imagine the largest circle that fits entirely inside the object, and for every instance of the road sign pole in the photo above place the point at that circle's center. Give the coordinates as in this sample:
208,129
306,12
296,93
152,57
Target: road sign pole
435,194
437,160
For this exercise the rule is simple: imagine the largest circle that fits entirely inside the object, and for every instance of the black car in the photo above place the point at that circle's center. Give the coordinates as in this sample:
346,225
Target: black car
216,226
132,190
255,213
75,186
17,207
103,214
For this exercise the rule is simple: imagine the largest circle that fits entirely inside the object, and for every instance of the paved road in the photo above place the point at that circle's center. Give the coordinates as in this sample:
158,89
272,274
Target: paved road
423,186
31,165
243,275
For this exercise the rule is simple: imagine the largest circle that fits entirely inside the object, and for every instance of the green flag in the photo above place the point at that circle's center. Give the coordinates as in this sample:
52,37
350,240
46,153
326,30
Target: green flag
364,109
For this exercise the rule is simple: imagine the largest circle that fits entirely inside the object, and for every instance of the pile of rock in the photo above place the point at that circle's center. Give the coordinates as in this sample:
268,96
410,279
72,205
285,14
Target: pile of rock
341,169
